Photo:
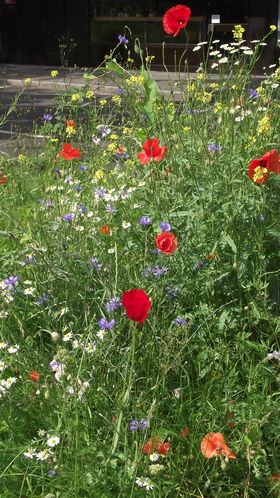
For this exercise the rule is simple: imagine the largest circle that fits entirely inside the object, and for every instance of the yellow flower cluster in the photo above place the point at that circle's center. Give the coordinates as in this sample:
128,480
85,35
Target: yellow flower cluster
102,102
70,130
27,81
135,80
218,107
89,94
75,97
99,174
149,58
204,97
264,126
117,99
54,74
127,131
238,31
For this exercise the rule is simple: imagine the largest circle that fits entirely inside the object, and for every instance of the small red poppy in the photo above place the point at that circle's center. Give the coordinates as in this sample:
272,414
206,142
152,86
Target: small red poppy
166,242
175,19
104,229
3,179
213,444
68,152
259,169
70,122
137,304
151,150
34,376
154,445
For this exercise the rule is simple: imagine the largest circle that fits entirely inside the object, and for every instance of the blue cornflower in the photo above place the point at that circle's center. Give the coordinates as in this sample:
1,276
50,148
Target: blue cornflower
119,91
82,167
78,188
214,147
11,282
100,192
51,473
47,117
42,299
262,218
95,264
145,221
68,217
181,322
165,226
200,264
253,93
83,209
113,304
138,425
105,325
110,209
105,130
171,292
123,39
156,271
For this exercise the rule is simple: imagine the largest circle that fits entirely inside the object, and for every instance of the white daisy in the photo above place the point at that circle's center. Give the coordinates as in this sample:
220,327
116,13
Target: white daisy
53,441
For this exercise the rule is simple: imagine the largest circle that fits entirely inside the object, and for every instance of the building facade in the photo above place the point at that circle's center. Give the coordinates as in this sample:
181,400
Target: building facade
56,32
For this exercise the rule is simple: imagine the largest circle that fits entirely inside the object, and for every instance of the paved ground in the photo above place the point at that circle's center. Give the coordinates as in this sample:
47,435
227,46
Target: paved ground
38,98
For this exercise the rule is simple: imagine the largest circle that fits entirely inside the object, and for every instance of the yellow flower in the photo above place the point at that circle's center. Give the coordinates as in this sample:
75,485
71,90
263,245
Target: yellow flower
54,74
129,59
218,107
263,127
102,102
89,94
237,32
200,76
214,86
259,173
27,81
191,87
112,146
117,99
75,97
135,80
21,157
70,130
186,129
272,27
204,97
99,174
54,140
113,136
149,58
127,131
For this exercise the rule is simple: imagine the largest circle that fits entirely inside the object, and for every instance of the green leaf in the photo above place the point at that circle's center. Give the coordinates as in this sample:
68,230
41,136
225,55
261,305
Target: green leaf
88,76
116,68
231,243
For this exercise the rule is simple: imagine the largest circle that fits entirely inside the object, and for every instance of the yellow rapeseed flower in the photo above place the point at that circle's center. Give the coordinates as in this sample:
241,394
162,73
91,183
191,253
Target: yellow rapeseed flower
272,27
218,107
99,174
117,99
27,81
21,158
237,32
70,130
102,102
89,94
112,146
113,136
264,126
127,131
75,97
54,74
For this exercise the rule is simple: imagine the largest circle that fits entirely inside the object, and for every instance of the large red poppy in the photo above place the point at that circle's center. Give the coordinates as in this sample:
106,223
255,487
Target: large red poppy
175,19
151,150
213,444
259,169
137,304
166,242
68,152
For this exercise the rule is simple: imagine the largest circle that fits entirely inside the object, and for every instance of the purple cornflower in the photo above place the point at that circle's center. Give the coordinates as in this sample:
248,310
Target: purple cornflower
51,473
119,91
95,264
100,192
83,209
82,167
11,282
69,179
47,117
253,93
42,299
155,251
78,188
156,271
165,226
122,155
181,322
47,203
54,365
110,209
95,140
123,39
69,217
214,147
105,130
200,264
262,218
138,425
113,304
105,325
171,292
145,221
58,171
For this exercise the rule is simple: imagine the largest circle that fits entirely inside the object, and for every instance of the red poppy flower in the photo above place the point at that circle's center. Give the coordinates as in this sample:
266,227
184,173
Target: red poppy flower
34,376
3,180
154,445
213,444
104,229
68,152
137,304
166,242
259,169
151,150
175,19
70,122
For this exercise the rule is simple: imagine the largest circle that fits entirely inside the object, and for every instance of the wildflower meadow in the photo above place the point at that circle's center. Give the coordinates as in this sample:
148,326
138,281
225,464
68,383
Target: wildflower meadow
139,284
